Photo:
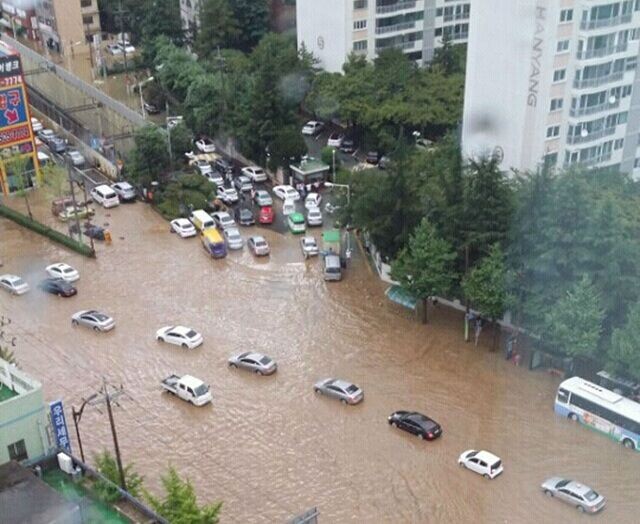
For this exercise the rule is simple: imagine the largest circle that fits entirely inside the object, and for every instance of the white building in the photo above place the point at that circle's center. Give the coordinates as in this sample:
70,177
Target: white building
333,29
190,15
554,81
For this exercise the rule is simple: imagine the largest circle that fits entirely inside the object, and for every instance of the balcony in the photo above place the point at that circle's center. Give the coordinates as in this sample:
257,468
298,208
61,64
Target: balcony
595,135
395,27
604,157
598,81
399,45
398,6
455,16
584,111
602,51
605,22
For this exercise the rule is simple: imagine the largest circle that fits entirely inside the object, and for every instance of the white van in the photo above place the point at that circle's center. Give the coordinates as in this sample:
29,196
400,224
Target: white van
332,269
105,196
43,159
201,220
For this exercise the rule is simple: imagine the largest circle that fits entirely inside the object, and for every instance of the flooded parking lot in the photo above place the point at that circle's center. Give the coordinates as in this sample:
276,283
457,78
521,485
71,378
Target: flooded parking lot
267,446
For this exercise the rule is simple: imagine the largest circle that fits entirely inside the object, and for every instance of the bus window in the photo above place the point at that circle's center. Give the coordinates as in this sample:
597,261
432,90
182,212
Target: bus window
563,396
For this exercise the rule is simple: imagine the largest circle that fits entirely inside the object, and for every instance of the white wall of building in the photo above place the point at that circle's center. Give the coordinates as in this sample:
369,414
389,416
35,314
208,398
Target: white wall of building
322,28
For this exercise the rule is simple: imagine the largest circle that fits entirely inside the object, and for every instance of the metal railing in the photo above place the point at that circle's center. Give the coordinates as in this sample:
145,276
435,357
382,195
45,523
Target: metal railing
398,45
398,6
595,135
456,16
602,51
605,22
395,27
598,81
583,111
604,157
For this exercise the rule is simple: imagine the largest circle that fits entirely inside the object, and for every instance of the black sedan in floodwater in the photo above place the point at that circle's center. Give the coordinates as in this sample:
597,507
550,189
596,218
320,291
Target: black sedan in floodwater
57,286
416,423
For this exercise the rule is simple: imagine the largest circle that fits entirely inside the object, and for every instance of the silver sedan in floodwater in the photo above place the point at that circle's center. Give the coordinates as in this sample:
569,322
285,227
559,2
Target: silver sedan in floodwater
256,362
344,391
582,497
93,319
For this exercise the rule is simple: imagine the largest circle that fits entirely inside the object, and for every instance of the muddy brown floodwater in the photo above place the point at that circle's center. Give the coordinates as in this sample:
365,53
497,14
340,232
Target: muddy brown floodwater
267,446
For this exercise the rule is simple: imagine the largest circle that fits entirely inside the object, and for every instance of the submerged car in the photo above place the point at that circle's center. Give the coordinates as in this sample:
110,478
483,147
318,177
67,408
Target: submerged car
57,286
125,191
258,246
582,497
223,220
266,215
93,319
244,217
263,198
256,362
13,284
180,336
314,216
416,424
344,391
63,271
183,227
482,462
309,246
233,238
255,173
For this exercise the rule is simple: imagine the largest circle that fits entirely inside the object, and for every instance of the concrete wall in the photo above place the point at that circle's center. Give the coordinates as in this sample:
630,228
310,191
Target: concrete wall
23,417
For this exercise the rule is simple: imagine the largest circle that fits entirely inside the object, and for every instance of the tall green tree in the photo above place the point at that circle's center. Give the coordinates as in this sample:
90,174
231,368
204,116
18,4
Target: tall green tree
488,207
425,266
486,287
449,57
624,356
179,504
574,323
252,17
150,157
204,105
108,466
181,141
19,166
287,144
161,17
218,27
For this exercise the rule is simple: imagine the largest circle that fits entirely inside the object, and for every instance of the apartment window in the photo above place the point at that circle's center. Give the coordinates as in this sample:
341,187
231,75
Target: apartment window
636,163
559,75
563,46
17,451
553,131
618,143
634,35
438,31
360,45
439,11
87,20
566,15
632,61
359,4
556,104
359,24
626,91
86,3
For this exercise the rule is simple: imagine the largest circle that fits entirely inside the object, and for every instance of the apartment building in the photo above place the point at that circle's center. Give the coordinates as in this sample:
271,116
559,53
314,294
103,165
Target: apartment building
557,84
68,25
190,16
18,17
333,29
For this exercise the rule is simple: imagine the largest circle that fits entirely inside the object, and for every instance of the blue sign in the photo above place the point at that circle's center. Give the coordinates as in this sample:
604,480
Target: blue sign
60,432
12,106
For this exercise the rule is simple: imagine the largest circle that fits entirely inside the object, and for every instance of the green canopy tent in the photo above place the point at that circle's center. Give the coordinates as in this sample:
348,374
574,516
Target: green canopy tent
401,296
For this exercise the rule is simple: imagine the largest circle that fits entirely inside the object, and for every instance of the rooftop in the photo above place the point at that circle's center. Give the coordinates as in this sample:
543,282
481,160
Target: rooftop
6,393
311,165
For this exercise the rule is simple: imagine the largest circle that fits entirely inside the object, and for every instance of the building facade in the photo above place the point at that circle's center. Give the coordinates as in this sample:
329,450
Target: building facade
333,29
24,417
67,26
19,18
557,85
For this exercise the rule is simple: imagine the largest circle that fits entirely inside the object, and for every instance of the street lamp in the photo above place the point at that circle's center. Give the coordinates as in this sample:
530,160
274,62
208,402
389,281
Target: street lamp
416,136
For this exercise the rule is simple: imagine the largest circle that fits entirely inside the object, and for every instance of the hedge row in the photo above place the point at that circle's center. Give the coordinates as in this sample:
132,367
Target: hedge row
46,231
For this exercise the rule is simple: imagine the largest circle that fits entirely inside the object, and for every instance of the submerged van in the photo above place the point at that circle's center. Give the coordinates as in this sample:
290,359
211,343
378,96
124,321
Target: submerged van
201,220
213,243
332,269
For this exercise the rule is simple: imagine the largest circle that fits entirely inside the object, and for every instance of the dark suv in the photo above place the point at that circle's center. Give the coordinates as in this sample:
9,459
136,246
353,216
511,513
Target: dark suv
223,166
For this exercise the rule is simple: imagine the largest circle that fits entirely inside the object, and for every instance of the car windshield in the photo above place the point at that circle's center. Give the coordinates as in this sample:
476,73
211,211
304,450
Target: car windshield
191,334
201,390
18,282
100,317
471,454
67,270
265,360
562,483
591,495
496,465
352,388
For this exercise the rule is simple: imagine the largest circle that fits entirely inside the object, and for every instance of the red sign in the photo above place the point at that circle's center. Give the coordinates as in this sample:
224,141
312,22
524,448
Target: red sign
17,134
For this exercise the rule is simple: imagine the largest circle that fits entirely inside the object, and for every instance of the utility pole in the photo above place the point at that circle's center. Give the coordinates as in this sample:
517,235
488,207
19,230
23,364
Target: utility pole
86,200
73,198
103,395
120,14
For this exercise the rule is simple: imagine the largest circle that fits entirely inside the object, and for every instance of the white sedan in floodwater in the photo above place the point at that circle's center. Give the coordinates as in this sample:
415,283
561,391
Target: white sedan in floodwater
13,284
180,336
183,227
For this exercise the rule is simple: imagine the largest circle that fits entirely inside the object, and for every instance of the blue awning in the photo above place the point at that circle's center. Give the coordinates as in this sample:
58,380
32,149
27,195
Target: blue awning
401,296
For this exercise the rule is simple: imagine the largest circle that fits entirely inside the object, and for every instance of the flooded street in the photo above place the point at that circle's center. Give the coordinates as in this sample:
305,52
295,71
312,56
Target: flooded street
267,446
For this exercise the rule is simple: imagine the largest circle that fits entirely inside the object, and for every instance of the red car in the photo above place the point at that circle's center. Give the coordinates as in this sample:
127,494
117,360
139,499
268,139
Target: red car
265,216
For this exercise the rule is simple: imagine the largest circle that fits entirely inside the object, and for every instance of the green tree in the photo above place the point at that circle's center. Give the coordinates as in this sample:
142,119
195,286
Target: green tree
624,356
187,192
56,180
179,504
574,323
452,59
287,144
108,466
252,17
204,104
20,167
181,141
486,288
488,207
150,157
160,18
218,27
425,266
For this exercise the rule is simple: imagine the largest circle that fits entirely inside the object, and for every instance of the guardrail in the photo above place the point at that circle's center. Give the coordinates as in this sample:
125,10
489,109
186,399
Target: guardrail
383,9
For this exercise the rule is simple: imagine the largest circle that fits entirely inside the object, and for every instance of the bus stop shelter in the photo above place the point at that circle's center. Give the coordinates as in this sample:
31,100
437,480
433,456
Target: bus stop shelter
309,171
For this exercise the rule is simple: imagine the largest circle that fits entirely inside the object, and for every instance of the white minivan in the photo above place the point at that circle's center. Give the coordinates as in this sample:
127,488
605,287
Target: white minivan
105,196
202,220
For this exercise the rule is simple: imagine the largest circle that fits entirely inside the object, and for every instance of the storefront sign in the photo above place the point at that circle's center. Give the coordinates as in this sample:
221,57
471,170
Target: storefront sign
59,423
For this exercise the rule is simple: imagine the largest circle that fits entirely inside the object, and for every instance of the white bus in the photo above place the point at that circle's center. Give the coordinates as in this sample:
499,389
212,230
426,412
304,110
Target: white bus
600,409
